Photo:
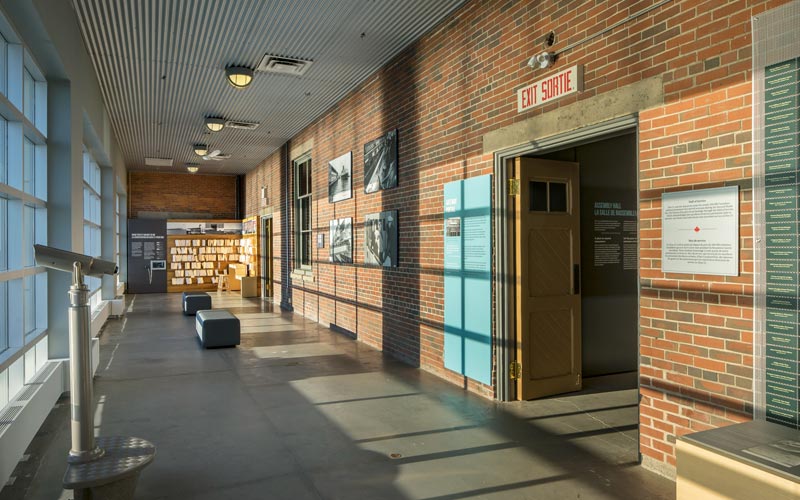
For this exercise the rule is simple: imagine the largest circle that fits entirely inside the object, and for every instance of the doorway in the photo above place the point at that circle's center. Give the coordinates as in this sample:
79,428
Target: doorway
575,250
265,257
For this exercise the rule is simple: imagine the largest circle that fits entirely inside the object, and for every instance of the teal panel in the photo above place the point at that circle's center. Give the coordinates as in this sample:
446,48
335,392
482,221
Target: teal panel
467,278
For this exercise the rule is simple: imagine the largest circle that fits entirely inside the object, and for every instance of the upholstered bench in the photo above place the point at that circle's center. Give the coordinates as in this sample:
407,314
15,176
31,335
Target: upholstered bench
217,328
195,301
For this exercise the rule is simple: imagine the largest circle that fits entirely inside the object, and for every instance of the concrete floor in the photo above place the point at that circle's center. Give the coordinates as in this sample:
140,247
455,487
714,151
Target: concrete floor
300,412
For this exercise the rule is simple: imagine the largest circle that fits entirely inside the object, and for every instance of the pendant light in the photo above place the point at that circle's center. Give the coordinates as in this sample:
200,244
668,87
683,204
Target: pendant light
200,149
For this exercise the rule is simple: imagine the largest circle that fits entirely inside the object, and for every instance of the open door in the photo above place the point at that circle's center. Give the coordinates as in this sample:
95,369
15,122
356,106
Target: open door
548,301
266,257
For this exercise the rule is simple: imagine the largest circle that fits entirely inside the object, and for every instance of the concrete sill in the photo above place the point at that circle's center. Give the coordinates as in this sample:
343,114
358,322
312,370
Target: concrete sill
304,276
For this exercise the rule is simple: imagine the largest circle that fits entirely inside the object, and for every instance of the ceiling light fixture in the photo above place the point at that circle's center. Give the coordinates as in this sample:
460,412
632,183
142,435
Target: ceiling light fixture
215,124
239,76
192,169
200,149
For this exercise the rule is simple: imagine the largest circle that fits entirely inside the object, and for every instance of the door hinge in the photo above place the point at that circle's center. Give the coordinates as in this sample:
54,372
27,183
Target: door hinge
578,380
514,370
513,187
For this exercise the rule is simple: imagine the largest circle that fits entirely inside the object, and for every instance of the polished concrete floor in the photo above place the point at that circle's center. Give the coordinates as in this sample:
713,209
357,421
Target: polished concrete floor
300,412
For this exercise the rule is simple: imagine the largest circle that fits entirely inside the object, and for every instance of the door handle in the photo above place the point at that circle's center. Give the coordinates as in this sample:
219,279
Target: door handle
576,278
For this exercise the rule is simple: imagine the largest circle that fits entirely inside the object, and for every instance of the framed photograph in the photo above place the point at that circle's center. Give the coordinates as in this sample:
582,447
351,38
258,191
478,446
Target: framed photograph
341,239
380,163
340,179
380,239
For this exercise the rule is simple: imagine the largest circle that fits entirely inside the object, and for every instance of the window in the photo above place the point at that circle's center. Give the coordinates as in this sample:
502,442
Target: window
91,220
23,218
303,213
29,95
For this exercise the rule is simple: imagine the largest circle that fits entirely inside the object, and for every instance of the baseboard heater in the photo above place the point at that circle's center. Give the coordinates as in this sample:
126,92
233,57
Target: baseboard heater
21,419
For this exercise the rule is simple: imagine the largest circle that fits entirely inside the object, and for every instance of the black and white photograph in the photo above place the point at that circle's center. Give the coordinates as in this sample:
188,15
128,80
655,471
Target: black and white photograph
380,239
341,241
200,227
380,163
340,181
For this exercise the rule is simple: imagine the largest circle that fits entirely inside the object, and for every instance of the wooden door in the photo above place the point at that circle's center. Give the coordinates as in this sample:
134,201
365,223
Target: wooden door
548,300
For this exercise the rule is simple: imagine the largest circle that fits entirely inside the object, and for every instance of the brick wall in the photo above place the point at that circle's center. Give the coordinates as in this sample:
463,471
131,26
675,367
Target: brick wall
206,196
458,83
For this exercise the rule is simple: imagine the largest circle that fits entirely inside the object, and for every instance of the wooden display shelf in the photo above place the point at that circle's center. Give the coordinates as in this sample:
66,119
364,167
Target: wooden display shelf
221,252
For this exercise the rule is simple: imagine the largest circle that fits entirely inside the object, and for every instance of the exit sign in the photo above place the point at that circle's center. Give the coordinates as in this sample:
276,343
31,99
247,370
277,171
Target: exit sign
551,88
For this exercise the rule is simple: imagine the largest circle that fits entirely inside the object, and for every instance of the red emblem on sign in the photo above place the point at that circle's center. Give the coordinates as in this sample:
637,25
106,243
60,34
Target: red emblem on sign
696,229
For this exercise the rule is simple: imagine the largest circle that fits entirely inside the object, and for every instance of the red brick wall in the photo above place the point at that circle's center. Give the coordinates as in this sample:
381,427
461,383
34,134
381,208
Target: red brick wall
458,83
208,196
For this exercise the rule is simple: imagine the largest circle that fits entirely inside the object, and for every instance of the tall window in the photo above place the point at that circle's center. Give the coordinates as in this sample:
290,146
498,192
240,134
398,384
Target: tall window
23,218
302,175
91,220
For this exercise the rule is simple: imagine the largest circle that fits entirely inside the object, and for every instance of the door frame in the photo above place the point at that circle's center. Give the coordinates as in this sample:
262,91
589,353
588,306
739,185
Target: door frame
504,279
265,221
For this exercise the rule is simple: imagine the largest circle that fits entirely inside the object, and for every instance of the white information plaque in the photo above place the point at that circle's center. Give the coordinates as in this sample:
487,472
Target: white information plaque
700,231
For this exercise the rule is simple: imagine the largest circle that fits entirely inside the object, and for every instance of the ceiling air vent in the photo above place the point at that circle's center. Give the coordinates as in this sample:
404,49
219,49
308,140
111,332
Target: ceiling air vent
284,65
244,125
158,162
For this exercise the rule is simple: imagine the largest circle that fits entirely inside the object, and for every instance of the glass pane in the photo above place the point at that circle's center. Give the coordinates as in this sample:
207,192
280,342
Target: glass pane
558,197
3,316
3,234
302,180
3,150
29,162
305,249
308,177
305,214
29,95
29,232
29,304
538,192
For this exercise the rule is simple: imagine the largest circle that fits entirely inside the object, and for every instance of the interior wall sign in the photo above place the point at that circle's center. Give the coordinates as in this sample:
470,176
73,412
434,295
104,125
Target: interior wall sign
700,231
551,88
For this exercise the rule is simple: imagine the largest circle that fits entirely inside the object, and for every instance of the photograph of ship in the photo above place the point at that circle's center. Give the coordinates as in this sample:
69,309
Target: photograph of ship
380,239
380,163
342,241
339,178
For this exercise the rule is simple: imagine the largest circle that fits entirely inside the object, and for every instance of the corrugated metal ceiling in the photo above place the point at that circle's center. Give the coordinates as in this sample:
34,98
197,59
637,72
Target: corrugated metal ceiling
161,66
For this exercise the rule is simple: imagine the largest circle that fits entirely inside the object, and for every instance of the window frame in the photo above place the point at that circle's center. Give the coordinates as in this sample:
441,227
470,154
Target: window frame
300,231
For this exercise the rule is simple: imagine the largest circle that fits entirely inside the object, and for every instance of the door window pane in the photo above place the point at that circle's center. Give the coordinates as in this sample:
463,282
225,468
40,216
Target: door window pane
558,197
538,192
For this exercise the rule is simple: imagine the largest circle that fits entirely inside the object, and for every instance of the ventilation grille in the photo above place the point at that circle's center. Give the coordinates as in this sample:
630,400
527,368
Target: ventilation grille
45,374
27,393
284,65
8,416
242,125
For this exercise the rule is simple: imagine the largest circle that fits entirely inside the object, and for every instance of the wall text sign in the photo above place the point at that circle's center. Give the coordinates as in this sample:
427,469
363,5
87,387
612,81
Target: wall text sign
551,88
700,231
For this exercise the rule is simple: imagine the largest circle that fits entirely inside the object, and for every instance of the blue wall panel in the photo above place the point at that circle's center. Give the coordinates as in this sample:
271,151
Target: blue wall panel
467,278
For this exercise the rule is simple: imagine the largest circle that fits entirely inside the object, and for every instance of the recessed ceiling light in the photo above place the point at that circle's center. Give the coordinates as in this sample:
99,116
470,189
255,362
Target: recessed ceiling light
215,124
192,169
200,149
239,76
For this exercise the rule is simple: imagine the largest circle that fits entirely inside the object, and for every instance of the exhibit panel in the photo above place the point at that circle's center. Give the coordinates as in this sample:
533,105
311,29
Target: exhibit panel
147,254
776,104
467,278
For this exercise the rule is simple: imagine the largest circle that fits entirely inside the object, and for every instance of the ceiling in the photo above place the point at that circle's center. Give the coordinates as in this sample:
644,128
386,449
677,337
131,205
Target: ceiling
161,68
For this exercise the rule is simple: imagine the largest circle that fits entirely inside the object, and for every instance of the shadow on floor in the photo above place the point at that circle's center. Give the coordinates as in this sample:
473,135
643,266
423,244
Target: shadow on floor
298,411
